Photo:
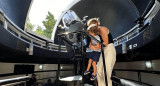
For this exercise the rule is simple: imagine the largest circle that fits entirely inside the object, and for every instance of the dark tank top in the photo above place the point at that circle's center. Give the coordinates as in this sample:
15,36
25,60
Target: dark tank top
110,39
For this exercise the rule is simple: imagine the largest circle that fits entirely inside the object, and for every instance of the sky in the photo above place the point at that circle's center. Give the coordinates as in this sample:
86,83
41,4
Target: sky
40,9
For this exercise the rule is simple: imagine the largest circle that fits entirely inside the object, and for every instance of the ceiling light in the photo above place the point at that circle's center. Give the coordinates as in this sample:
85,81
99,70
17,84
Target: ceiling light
148,64
40,67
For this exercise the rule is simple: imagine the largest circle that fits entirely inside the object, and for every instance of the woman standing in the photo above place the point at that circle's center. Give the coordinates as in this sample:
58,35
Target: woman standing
109,53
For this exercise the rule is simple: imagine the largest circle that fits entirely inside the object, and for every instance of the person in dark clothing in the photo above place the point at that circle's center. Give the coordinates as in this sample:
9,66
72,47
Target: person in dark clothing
49,83
32,80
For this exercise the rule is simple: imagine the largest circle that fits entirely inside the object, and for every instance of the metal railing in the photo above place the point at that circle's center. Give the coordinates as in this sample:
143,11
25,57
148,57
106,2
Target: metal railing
127,82
22,80
24,36
116,80
137,29
14,81
139,80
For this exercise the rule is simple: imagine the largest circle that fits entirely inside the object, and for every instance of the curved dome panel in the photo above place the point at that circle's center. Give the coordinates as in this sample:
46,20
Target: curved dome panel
118,16
16,10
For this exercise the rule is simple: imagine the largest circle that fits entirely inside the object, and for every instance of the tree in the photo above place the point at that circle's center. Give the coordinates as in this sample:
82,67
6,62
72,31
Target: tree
29,25
39,30
49,23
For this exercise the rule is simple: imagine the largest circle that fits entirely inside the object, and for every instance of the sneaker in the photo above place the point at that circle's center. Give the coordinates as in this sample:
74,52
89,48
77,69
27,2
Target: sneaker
86,72
93,77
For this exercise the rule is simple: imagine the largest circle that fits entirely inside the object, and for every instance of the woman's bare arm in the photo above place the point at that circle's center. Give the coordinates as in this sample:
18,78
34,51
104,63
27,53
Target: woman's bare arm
104,34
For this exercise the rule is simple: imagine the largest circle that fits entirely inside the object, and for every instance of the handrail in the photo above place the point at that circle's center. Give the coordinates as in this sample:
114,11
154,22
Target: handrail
135,31
13,80
46,78
114,79
127,82
133,70
17,28
26,37
139,73
138,81
137,25
15,83
11,74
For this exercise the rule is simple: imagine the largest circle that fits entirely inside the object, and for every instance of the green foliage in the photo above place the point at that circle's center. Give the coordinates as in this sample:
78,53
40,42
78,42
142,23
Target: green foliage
29,25
49,23
39,30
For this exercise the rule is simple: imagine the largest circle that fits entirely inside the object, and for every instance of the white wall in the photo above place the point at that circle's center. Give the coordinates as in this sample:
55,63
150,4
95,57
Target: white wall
153,79
9,68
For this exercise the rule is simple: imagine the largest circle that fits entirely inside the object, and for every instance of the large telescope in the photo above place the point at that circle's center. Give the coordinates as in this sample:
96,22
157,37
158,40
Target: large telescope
72,25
